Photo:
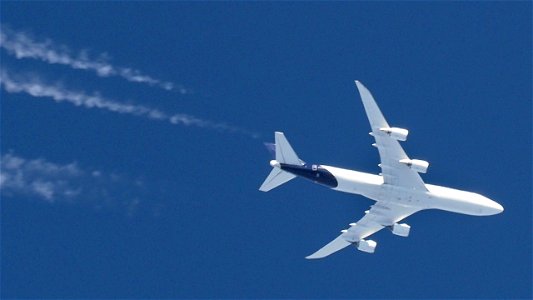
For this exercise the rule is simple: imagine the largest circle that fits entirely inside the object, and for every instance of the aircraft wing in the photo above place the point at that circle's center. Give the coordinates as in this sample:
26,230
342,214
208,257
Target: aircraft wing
390,151
379,216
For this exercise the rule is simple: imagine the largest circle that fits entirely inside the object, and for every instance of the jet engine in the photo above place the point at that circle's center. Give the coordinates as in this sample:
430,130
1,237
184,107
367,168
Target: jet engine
367,246
417,165
398,134
401,229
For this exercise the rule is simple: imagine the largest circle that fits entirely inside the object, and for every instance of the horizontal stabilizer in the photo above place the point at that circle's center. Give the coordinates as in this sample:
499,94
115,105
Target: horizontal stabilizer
276,178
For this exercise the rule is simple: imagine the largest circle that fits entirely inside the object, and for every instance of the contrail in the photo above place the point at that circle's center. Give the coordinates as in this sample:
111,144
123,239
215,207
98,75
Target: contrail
68,183
38,178
22,45
35,88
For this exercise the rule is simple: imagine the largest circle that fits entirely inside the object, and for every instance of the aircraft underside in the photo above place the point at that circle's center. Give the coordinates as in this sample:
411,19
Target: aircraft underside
398,190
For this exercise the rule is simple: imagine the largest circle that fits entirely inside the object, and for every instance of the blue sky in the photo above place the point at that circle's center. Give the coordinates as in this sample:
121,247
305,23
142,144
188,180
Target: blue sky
132,147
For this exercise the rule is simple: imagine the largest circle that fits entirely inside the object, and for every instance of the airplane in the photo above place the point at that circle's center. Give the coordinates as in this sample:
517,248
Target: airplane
398,190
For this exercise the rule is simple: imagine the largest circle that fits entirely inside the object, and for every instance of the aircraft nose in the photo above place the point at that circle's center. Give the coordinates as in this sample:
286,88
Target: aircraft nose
493,207
499,207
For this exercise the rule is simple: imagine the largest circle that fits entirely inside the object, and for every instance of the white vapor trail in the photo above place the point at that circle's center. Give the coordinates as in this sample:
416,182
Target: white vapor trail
38,177
22,45
35,88
67,183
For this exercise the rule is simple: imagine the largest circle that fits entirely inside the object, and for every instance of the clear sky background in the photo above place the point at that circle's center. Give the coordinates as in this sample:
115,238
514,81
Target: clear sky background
132,147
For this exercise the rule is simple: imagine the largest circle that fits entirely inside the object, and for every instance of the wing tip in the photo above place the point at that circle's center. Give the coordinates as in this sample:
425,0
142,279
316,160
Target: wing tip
318,254
359,85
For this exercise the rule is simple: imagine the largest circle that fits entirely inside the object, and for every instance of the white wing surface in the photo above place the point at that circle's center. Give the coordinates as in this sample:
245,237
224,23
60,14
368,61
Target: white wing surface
390,151
380,215
383,213
276,178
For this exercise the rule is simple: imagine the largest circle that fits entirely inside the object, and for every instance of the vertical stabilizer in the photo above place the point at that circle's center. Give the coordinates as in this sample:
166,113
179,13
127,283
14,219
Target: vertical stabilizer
284,152
284,155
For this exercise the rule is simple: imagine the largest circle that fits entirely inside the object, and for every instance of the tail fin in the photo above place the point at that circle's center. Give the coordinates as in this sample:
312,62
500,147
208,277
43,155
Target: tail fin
284,154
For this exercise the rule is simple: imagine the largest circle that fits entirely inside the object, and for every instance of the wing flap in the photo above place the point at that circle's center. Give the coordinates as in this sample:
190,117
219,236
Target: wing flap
379,216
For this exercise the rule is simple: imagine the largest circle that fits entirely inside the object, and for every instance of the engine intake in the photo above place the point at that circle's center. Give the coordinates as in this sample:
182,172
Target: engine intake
401,229
367,246
398,134
417,165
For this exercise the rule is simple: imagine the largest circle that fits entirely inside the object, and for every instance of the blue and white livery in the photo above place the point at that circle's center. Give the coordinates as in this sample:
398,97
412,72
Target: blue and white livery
398,190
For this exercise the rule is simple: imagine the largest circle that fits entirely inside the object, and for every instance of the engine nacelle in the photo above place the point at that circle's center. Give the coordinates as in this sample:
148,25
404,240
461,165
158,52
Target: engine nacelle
367,246
417,165
401,229
398,134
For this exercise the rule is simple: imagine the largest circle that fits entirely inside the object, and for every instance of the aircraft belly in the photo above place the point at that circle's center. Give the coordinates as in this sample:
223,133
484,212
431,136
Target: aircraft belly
354,182
405,197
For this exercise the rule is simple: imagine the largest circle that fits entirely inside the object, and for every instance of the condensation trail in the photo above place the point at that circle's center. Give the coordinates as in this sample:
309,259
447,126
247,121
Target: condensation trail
23,45
36,88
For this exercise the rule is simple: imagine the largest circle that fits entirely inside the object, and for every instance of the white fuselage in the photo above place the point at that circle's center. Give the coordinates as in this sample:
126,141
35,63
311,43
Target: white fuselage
436,197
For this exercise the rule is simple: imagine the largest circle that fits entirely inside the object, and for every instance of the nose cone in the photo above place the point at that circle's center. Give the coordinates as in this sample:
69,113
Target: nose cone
492,207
